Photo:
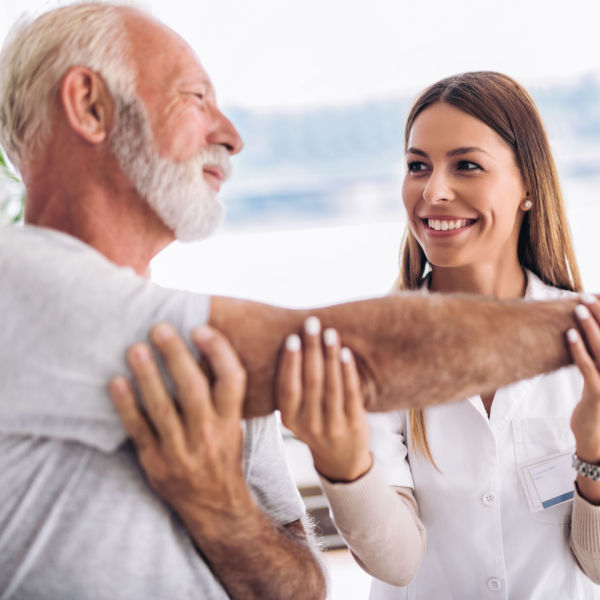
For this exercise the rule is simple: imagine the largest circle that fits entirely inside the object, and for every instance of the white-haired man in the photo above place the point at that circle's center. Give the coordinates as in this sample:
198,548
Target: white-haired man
114,126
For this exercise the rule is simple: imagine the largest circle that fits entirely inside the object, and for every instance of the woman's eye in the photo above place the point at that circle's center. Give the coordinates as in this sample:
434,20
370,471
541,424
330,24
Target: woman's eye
416,166
467,165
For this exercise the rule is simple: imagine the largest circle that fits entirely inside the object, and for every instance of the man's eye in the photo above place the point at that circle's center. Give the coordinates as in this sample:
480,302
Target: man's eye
467,165
415,166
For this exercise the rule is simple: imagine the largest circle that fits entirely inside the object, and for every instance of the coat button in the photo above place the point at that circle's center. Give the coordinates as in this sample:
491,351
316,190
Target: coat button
489,498
494,584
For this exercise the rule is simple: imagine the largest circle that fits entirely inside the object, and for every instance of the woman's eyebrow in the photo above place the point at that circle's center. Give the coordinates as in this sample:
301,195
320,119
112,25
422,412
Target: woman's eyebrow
465,150
412,150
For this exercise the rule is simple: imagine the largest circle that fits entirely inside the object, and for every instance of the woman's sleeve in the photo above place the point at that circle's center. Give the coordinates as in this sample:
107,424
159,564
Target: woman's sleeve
585,536
377,515
380,525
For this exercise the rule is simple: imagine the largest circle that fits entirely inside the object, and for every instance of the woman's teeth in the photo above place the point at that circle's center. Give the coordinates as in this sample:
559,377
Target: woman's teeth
445,224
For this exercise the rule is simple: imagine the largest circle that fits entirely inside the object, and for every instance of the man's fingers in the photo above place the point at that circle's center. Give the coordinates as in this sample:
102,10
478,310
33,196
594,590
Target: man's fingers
159,406
229,387
193,391
289,381
133,420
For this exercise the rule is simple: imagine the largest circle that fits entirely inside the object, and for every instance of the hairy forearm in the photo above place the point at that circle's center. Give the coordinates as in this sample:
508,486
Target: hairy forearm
255,559
411,349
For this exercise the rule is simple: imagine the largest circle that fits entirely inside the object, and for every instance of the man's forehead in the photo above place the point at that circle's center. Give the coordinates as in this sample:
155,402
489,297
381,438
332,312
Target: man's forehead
158,49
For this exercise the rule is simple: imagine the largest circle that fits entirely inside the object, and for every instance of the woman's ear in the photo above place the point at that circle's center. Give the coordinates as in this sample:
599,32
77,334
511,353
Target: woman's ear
87,103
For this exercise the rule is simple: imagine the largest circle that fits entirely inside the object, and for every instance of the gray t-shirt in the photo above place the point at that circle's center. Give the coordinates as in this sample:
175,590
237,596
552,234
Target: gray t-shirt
77,518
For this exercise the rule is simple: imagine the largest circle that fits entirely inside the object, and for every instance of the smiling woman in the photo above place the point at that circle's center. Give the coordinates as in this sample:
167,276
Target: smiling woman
486,476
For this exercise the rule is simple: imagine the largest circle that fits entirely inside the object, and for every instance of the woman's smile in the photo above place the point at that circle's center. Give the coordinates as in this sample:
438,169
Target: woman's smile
438,226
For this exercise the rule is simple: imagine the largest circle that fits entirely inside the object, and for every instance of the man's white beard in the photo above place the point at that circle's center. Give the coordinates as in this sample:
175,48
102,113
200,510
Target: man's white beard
176,191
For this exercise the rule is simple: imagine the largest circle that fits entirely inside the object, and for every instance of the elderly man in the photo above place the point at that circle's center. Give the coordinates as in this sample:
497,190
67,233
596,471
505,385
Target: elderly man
113,124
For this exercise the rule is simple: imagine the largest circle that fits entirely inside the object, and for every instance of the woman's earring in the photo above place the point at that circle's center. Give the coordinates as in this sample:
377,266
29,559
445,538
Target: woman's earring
527,205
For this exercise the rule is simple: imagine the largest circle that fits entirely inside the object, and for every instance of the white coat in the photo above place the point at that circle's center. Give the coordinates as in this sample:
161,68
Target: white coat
483,539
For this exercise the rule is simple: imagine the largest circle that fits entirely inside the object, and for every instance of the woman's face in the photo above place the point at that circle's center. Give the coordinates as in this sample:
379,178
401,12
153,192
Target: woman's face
462,189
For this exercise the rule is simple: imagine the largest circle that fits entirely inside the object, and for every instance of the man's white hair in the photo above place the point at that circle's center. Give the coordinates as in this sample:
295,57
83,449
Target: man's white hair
38,53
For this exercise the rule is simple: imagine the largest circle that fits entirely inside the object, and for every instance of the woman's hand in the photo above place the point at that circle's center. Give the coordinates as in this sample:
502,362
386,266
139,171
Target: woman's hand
319,396
585,421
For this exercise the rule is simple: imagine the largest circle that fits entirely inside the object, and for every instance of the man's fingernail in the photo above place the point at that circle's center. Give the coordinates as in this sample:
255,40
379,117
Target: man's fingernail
312,326
162,332
292,343
587,298
330,337
202,333
572,335
140,353
582,312
345,355
119,384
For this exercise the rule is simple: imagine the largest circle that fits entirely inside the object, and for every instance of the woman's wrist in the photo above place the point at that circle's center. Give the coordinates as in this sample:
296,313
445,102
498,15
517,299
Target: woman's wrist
344,474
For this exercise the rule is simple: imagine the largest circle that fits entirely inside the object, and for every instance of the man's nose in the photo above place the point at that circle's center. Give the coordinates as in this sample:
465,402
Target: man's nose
225,134
438,188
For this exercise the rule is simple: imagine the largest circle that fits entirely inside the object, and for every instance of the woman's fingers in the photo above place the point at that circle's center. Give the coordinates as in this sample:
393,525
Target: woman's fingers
229,386
313,374
289,381
354,403
333,393
581,356
588,315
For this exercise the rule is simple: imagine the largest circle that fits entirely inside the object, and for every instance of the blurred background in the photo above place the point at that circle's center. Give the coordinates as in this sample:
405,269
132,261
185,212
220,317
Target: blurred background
319,91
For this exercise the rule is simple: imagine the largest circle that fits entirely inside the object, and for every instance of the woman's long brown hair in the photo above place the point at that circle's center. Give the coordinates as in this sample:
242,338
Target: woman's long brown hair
544,246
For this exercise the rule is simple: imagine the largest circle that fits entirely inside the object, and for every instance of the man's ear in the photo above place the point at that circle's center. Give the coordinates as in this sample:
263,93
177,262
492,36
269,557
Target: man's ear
87,103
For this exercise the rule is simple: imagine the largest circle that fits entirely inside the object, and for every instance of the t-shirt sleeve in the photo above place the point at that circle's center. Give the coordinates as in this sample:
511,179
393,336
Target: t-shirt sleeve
268,473
69,315
388,445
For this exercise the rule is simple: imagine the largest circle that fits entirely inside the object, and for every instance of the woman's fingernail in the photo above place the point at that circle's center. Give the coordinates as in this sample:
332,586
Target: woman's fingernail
572,335
330,337
582,312
345,355
312,326
587,298
292,343
162,332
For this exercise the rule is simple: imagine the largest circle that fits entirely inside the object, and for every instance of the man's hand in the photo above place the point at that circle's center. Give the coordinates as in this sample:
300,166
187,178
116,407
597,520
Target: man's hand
190,452
320,399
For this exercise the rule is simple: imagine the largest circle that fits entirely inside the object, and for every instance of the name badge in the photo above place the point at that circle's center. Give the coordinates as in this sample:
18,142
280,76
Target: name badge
548,481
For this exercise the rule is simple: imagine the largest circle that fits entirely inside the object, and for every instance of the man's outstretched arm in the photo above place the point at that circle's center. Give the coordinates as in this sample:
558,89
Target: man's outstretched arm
411,349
